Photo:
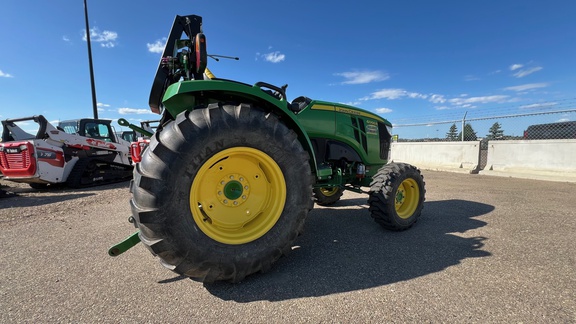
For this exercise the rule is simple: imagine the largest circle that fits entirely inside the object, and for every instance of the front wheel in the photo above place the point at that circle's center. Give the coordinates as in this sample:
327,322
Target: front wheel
328,195
222,192
397,196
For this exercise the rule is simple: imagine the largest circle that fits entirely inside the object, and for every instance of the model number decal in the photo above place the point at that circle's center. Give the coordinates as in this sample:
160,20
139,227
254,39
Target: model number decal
371,129
46,155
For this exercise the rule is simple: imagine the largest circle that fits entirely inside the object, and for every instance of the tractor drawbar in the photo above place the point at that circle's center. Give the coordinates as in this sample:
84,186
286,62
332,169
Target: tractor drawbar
125,245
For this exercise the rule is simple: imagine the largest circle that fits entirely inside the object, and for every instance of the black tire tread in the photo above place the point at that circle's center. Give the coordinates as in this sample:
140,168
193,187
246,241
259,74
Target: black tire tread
323,200
382,194
168,236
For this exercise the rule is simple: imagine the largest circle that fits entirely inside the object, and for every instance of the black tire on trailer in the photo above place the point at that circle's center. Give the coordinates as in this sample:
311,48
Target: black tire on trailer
222,192
328,195
397,196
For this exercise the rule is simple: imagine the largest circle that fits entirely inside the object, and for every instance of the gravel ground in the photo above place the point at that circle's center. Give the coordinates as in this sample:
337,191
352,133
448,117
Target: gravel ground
486,250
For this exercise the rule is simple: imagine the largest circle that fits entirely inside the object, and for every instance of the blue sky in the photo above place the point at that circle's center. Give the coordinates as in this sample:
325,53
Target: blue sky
409,61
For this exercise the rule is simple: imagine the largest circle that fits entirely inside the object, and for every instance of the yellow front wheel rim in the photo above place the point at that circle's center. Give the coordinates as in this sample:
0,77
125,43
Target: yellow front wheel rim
329,191
238,195
407,198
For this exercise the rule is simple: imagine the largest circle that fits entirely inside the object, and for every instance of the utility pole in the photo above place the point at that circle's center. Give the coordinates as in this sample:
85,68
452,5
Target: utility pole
94,103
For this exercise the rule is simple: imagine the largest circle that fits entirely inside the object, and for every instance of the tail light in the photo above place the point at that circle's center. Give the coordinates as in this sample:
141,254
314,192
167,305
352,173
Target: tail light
136,149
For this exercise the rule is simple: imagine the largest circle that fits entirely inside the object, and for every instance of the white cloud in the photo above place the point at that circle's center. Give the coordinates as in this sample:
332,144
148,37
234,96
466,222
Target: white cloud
5,75
65,38
106,38
392,94
436,98
352,103
524,72
130,111
469,102
362,77
100,106
157,46
383,110
415,95
539,105
528,86
274,57
515,66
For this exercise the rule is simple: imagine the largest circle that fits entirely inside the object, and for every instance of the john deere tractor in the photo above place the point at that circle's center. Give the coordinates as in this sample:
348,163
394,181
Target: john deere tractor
229,176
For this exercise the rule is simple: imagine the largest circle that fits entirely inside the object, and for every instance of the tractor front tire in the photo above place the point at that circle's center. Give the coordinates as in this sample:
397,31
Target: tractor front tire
222,192
328,195
397,196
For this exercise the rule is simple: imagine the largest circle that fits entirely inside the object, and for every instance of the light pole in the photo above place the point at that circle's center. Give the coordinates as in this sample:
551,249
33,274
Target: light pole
93,87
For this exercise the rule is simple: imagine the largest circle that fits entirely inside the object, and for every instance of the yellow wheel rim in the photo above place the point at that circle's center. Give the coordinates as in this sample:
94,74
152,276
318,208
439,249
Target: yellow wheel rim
238,195
329,191
407,198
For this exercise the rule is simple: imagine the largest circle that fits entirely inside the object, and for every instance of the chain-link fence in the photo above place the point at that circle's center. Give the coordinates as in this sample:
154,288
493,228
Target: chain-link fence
559,124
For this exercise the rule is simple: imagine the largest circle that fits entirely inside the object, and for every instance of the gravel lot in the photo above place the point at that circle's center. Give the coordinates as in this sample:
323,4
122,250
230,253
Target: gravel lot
487,249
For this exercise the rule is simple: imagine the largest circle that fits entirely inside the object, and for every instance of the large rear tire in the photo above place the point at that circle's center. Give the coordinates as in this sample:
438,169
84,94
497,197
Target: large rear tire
397,196
222,192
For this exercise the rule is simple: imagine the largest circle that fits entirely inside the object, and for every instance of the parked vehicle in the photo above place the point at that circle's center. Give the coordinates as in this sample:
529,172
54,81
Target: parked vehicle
561,130
78,153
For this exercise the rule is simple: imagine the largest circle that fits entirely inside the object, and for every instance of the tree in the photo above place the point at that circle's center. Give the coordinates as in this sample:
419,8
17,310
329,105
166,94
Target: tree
452,134
495,132
469,133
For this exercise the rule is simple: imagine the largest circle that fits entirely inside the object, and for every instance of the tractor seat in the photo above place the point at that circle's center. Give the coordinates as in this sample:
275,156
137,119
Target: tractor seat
299,103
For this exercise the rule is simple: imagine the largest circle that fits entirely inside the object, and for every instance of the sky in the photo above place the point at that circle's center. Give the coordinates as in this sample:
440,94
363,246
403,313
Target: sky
408,61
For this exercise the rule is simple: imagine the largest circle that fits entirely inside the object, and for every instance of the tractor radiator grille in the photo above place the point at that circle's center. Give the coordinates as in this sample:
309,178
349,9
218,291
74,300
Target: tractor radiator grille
385,139
360,132
363,134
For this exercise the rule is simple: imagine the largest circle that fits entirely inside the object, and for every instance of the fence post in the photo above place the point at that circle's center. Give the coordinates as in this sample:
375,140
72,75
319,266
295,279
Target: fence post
463,123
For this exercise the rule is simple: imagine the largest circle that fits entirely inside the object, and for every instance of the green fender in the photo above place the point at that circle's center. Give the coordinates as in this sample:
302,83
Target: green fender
180,97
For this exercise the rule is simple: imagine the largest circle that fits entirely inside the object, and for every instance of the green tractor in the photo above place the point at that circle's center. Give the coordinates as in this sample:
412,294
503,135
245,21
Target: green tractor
229,176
